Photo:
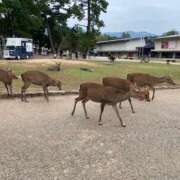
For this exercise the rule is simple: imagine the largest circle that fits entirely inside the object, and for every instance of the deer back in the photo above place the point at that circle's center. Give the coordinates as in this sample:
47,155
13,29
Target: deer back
118,83
36,77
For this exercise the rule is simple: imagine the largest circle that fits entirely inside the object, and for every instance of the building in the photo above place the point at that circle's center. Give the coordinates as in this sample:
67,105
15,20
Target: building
167,47
129,47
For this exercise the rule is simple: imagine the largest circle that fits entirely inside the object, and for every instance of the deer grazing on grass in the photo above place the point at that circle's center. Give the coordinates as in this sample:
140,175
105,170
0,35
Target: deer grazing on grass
103,95
124,85
7,76
40,79
149,81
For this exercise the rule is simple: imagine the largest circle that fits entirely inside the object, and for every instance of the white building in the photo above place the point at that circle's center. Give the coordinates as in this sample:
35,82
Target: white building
167,46
129,47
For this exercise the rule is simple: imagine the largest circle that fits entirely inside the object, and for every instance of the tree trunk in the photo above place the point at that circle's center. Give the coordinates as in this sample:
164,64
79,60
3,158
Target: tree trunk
89,16
50,39
88,25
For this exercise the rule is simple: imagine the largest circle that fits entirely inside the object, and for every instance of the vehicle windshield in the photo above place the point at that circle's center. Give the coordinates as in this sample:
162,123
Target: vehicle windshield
10,47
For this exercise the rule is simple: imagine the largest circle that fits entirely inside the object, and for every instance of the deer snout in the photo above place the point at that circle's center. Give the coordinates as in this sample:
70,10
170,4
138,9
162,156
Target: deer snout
59,85
15,77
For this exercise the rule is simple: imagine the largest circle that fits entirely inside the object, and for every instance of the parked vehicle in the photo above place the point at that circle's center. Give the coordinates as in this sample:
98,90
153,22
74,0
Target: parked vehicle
18,48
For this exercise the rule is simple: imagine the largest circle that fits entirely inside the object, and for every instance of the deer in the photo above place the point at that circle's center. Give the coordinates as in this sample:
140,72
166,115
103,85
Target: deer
103,95
125,86
40,79
7,77
148,81
56,67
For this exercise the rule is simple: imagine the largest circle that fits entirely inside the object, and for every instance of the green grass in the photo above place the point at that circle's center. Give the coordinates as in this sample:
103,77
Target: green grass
71,75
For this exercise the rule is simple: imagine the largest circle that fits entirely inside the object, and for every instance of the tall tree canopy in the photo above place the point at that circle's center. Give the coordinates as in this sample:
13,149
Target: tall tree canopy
48,25
125,35
172,32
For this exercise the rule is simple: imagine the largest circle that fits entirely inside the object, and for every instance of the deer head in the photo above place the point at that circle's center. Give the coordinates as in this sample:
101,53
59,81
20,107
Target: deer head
11,74
59,84
140,93
169,80
144,94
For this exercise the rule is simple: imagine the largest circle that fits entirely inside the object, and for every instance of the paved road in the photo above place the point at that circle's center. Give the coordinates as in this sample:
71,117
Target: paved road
41,141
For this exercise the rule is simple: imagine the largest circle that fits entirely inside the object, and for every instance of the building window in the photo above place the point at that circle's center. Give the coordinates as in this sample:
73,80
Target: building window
165,45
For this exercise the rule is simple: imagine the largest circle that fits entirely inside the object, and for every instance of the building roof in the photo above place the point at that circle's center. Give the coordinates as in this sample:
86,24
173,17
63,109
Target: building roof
117,40
168,37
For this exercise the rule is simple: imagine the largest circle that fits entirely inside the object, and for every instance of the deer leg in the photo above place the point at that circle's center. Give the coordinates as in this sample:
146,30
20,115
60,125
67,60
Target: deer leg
130,102
46,93
10,88
84,101
120,105
75,103
119,117
23,91
6,86
102,109
153,93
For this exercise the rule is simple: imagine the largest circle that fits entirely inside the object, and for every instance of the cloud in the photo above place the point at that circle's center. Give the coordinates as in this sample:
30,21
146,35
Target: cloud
156,16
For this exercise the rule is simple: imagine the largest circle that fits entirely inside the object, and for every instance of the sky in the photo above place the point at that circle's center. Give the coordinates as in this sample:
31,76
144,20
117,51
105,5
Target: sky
155,16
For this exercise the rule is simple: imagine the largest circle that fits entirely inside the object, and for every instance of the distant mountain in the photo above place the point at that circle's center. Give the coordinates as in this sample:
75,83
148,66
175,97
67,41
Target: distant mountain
132,34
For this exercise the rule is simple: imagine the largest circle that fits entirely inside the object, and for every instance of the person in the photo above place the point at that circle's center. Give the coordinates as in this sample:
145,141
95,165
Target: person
111,58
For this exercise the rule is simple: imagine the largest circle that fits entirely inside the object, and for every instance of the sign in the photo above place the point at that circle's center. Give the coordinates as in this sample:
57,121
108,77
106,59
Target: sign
168,44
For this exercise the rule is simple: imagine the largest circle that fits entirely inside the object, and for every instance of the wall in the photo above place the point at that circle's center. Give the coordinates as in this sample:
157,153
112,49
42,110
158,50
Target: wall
120,46
173,44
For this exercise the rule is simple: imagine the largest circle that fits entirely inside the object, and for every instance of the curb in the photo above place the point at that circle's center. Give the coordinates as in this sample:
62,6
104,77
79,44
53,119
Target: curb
68,93
38,94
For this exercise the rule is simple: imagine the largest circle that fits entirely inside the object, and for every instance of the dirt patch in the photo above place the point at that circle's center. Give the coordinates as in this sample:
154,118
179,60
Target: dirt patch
41,140
51,61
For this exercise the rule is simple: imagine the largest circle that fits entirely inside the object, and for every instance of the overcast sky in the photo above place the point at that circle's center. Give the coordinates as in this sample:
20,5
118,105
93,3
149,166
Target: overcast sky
156,16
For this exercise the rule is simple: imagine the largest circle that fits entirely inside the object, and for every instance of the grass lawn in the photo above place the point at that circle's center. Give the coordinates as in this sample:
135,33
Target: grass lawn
71,75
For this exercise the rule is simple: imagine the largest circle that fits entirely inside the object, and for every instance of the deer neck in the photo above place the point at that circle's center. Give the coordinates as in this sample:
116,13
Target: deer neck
51,82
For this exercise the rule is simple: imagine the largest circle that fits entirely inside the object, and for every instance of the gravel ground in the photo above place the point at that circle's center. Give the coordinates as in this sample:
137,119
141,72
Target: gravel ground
41,141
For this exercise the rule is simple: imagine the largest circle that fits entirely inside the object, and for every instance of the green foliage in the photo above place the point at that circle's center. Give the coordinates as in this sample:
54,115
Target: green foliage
72,76
31,18
125,35
91,11
172,32
104,37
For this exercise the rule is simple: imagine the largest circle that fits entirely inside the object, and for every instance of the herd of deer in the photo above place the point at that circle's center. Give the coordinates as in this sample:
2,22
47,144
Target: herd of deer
112,91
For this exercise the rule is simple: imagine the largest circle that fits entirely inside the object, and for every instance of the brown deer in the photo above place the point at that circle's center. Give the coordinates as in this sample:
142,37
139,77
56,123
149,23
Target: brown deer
7,76
56,67
40,79
103,95
125,86
147,80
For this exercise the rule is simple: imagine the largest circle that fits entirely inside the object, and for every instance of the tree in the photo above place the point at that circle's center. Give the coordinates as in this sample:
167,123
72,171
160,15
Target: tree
91,12
172,32
34,18
104,37
56,22
125,35
21,18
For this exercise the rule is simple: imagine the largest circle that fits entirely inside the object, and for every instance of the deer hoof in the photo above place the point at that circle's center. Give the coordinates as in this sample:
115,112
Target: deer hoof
123,125
100,123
